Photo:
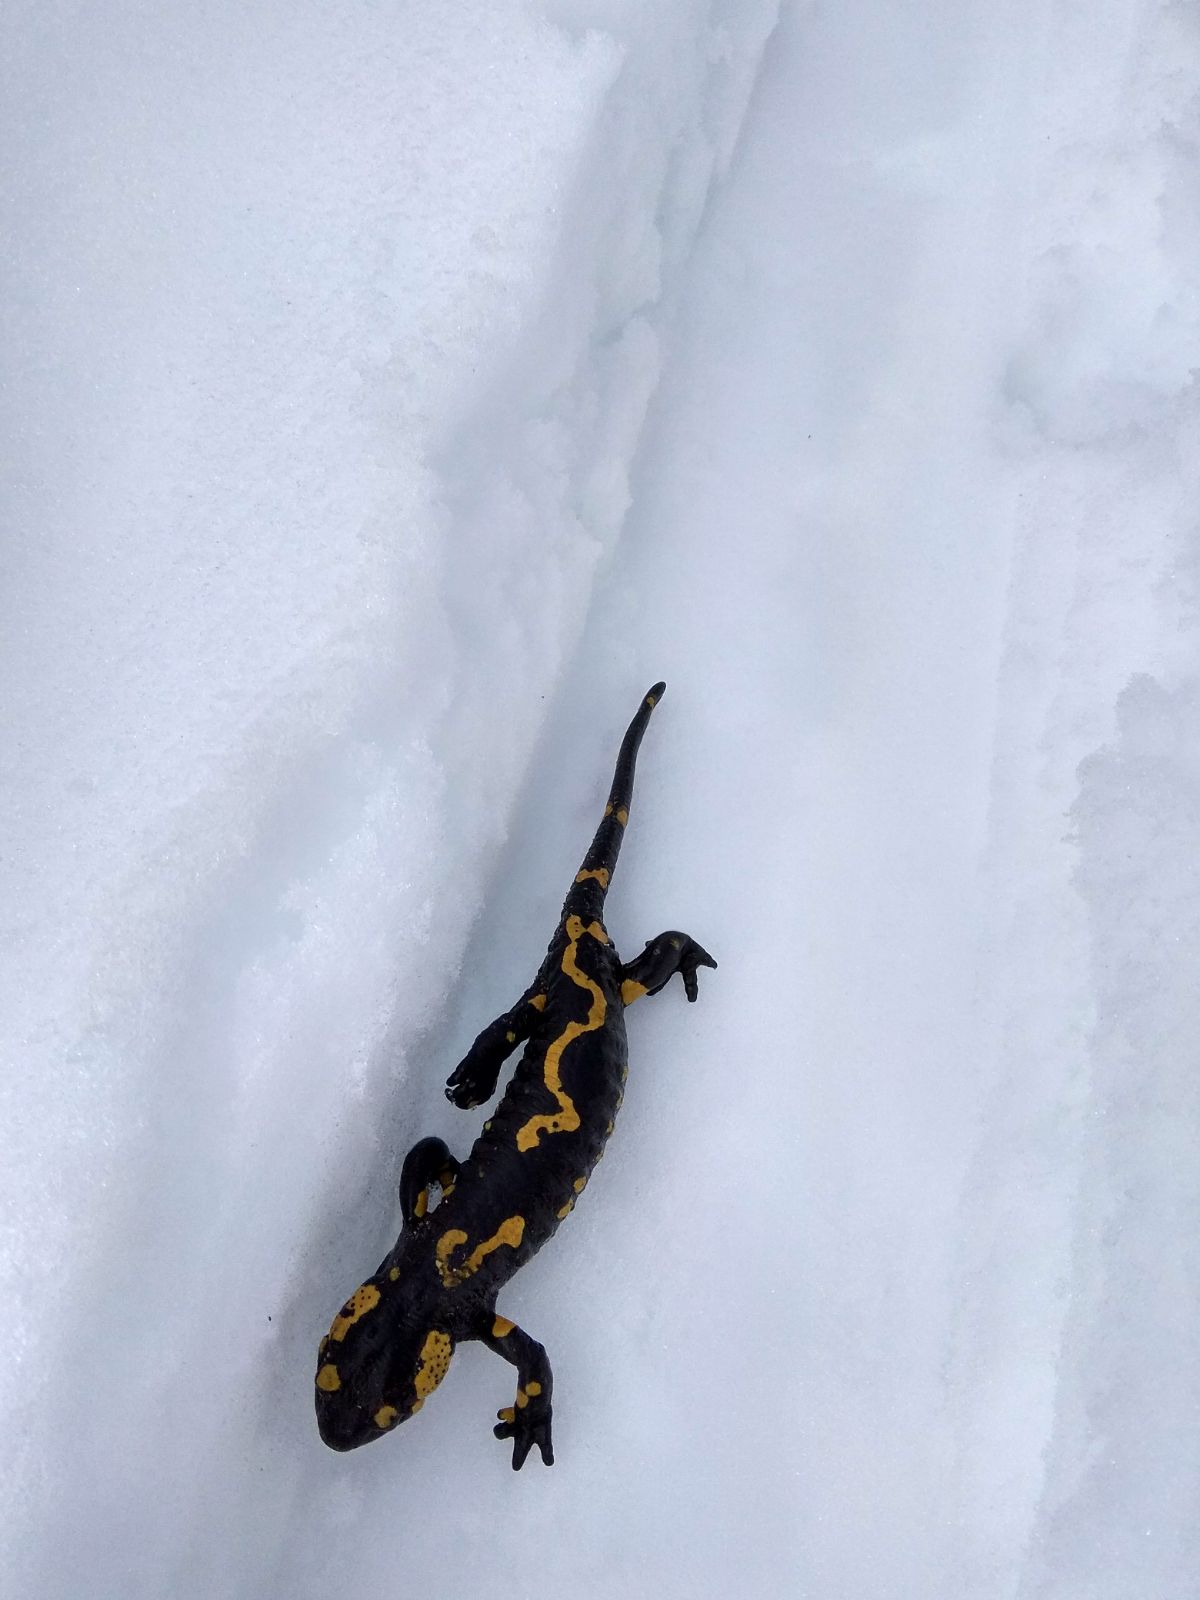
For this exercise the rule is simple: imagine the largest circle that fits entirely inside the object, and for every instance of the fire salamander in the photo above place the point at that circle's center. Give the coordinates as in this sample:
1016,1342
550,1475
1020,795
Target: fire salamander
391,1343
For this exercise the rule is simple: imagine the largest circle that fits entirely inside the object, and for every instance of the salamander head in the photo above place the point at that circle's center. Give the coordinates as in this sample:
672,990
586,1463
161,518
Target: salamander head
380,1361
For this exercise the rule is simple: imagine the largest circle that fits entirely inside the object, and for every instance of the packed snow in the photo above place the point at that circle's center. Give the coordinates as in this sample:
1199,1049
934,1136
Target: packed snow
392,393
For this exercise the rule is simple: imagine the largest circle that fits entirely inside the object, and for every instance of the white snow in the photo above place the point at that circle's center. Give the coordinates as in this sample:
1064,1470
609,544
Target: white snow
393,392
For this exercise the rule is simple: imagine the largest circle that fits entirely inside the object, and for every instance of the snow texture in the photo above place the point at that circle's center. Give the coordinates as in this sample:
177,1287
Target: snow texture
393,392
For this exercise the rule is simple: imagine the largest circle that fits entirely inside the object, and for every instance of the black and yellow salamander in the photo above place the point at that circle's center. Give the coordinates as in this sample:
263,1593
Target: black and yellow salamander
391,1342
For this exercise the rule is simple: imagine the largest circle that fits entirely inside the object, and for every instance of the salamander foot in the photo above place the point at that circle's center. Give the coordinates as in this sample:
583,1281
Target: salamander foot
527,1424
672,952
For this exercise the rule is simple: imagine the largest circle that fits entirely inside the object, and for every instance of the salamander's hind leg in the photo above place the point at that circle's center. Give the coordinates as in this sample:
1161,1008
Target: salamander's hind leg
429,1161
662,958
527,1421
474,1078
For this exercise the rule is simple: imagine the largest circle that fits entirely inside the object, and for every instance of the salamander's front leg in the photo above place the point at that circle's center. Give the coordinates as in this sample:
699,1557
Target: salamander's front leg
474,1078
527,1421
662,958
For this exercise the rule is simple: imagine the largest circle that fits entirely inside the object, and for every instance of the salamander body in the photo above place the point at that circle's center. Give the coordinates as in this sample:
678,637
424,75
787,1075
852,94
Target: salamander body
391,1343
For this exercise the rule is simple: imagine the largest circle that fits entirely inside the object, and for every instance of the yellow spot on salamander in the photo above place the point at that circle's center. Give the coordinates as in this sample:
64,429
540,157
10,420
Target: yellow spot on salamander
533,1388
385,1416
566,1118
507,1414
360,1302
651,701
328,1378
510,1232
538,1002
416,1406
511,1037
522,1399
623,816
608,810
564,1212
580,1185
632,990
599,873
446,1246
434,1360
394,1274
502,1327
422,1203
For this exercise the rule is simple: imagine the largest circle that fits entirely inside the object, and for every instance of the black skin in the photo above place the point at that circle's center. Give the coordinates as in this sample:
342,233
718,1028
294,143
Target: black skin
390,1344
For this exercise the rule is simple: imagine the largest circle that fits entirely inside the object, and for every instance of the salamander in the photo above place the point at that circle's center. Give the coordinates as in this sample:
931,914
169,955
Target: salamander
468,1226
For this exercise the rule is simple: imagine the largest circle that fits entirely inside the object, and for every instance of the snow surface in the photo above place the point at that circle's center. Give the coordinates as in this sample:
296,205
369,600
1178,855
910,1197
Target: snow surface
392,393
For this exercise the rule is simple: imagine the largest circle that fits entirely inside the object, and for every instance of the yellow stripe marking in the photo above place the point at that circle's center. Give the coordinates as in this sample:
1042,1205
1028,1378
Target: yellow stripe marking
632,990
566,1118
599,873
360,1302
510,1232
421,1206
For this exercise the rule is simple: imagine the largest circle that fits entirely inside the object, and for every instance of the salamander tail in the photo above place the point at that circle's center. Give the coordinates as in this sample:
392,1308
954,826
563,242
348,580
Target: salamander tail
586,895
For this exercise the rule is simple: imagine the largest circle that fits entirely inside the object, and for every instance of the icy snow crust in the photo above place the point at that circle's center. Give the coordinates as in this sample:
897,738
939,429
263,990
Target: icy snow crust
395,392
